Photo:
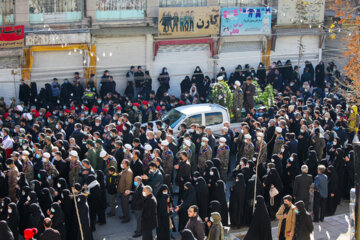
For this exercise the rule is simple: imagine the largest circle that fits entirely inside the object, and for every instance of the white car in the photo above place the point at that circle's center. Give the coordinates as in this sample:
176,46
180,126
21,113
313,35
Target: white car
209,115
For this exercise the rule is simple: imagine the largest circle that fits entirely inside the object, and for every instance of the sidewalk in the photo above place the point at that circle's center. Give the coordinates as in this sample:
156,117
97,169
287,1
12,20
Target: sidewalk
335,227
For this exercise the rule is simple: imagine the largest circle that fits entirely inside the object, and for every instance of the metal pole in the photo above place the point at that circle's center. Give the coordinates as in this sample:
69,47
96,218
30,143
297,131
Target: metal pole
77,214
256,179
357,188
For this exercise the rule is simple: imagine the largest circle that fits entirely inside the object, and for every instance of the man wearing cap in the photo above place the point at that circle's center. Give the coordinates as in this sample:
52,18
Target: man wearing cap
279,141
13,176
147,156
49,168
110,161
98,163
249,149
223,153
27,168
168,162
238,101
205,154
249,92
261,144
75,168
15,156
48,145
127,151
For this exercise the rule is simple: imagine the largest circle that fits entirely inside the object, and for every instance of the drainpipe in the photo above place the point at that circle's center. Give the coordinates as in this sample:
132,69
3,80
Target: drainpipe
85,14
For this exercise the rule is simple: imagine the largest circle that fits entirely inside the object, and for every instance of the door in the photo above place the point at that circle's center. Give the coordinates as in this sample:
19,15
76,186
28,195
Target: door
181,61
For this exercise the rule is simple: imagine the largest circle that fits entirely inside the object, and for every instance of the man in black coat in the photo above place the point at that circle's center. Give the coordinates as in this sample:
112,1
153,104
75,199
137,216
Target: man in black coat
249,90
302,186
78,134
136,164
24,92
148,218
49,232
195,224
137,204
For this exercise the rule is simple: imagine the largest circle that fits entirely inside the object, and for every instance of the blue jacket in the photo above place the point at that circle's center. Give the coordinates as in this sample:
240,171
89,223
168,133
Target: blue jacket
321,185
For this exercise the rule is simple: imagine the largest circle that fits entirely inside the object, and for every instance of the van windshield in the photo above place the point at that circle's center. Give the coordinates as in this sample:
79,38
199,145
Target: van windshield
174,117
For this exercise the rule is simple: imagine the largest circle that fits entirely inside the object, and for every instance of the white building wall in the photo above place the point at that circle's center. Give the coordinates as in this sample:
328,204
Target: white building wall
125,52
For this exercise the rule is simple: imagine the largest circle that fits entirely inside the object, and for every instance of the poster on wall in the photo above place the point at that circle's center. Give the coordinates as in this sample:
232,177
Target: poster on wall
190,21
300,12
245,21
12,36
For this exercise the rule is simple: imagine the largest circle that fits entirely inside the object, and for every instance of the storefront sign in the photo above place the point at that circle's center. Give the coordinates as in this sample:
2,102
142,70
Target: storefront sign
12,36
192,21
245,21
300,12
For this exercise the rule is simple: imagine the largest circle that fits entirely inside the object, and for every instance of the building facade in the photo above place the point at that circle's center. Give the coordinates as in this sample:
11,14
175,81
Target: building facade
90,36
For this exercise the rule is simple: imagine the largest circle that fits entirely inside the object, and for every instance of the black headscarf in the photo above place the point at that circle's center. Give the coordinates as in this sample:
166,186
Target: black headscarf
84,217
186,234
202,195
237,200
58,219
260,227
5,231
220,196
45,200
13,220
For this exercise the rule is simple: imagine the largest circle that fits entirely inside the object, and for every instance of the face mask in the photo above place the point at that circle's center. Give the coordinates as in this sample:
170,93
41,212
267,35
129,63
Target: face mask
221,144
82,118
297,211
241,163
326,119
39,176
165,192
37,155
44,160
59,185
52,210
97,124
10,211
282,150
23,157
124,128
144,194
124,150
259,138
291,159
211,173
122,166
152,155
301,130
136,183
334,143
152,170
99,102
28,198
211,219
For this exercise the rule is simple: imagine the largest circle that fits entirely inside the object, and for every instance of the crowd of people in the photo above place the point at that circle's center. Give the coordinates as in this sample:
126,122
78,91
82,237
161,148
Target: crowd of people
71,154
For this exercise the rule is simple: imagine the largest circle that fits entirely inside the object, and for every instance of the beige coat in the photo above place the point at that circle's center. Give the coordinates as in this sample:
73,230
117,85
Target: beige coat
290,221
126,180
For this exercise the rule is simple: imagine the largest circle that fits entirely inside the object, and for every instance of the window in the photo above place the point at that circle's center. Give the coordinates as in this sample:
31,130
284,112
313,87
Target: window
7,12
213,118
195,119
174,117
55,11
240,3
54,6
120,9
182,3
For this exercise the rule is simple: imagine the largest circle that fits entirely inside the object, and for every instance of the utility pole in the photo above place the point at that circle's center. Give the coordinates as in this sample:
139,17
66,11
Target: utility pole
356,146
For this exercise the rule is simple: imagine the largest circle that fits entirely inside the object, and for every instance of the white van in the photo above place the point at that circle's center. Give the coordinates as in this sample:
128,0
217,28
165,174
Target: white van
209,115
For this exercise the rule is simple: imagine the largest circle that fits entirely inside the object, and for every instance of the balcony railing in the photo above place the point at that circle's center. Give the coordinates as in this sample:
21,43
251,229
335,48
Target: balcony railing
108,10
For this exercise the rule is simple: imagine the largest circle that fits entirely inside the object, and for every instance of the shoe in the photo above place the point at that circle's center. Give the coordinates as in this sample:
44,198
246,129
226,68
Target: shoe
125,221
136,235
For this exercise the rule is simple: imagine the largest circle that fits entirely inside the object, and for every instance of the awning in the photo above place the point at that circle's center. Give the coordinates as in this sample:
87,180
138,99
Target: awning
209,41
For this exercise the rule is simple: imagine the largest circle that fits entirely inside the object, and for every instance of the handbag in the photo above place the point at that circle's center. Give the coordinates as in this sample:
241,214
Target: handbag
273,192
